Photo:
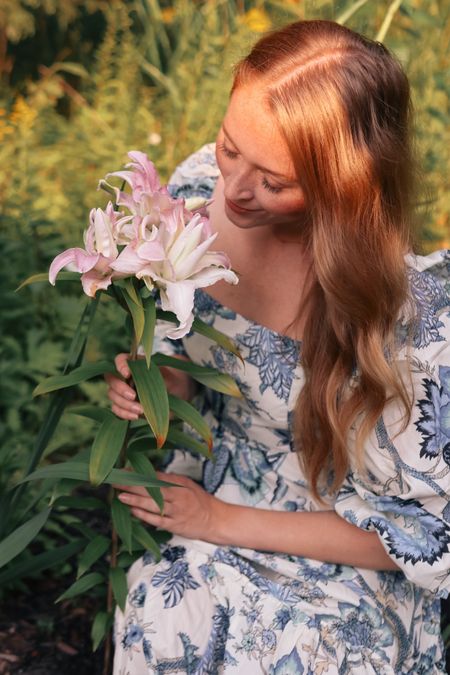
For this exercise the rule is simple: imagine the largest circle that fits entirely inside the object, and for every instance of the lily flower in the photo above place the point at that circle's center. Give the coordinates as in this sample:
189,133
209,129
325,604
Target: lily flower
177,260
100,250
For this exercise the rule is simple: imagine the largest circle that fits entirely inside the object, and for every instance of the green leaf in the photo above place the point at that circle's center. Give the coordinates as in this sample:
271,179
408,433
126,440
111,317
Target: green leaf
186,412
199,326
183,440
164,315
35,564
18,540
121,517
118,580
149,328
210,377
144,538
86,372
152,395
100,627
94,550
80,471
106,448
92,412
54,411
142,465
82,503
43,276
142,444
82,585
134,304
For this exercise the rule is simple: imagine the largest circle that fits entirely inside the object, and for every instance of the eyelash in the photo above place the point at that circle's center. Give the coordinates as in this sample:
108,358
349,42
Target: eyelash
233,155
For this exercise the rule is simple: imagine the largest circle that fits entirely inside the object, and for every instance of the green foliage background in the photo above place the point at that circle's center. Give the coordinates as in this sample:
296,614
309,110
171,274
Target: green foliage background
83,82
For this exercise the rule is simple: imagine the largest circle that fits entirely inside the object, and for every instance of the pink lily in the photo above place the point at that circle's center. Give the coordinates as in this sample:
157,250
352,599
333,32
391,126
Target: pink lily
177,260
94,261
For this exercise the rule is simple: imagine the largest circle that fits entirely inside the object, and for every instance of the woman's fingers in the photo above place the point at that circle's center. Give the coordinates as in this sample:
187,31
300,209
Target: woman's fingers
139,502
121,363
120,398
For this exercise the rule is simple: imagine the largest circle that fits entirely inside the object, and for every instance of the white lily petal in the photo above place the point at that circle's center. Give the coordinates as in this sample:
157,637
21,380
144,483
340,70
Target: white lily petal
179,298
104,240
212,258
187,266
128,261
151,250
211,275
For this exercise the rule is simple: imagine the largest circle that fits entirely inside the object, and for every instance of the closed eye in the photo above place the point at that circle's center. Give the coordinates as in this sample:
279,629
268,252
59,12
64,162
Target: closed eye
269,187
226,152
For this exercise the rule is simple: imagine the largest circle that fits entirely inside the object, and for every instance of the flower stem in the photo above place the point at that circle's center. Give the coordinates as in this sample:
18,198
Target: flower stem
114,539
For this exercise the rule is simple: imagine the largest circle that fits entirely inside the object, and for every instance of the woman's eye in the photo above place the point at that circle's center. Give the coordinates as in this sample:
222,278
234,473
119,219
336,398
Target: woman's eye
226,152
269,187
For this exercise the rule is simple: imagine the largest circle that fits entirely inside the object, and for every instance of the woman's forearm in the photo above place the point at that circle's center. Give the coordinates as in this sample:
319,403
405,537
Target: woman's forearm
321,535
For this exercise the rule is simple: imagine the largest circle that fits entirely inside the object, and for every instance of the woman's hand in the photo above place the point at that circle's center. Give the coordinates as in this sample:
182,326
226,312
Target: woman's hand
123,396
189,510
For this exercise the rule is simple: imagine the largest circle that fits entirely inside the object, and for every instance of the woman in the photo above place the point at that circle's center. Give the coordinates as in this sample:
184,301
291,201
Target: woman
318,540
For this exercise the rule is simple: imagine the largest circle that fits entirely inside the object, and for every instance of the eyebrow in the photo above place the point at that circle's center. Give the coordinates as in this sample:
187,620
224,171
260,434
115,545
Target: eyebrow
261,168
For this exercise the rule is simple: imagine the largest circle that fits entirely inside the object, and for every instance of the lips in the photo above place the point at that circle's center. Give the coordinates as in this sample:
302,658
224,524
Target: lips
237,208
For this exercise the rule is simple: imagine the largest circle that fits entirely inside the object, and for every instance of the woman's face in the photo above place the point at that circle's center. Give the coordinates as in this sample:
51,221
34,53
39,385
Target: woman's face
256,166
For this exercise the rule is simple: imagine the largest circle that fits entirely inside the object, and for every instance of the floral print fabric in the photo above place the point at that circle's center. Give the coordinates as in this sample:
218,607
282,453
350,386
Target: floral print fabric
209,609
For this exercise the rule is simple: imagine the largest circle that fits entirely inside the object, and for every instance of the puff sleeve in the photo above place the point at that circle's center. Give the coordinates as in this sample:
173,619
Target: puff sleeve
404,493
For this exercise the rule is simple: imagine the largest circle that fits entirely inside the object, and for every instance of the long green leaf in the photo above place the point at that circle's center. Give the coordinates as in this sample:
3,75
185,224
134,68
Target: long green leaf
38,563
199,326
118,580
186,412
43,276
142,465
145,539
56,405
94,550
152,395
82,503
86,372
18,540
100,626
106,448
149,328
136,310
80,471
92,412
210,377
82,585
182,440
121,517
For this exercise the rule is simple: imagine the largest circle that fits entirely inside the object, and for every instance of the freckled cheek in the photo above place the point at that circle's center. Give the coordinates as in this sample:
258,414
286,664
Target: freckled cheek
285,207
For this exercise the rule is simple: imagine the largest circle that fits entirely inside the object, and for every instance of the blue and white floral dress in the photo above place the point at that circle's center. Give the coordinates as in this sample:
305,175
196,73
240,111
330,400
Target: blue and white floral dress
207,609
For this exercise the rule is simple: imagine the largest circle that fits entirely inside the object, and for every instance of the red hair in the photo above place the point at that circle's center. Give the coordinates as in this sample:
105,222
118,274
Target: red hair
342,104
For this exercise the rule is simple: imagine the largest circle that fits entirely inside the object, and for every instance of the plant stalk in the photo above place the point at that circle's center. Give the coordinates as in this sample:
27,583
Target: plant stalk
115,543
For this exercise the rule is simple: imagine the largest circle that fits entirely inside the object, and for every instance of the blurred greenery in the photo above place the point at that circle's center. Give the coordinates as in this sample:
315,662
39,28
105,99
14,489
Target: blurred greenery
83,82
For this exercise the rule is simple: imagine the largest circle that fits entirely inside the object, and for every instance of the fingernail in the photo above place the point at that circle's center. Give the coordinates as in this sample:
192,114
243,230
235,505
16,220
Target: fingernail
125,373
123,497
130,395
138,409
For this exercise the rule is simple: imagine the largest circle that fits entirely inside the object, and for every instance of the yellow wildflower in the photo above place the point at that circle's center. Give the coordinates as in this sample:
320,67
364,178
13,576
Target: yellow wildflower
22,114
257,20
168,14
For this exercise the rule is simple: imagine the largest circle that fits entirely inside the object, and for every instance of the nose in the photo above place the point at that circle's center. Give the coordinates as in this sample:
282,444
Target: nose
238,186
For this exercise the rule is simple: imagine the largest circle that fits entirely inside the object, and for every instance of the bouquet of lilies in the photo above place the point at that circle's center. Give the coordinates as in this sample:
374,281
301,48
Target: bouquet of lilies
162,241
148,252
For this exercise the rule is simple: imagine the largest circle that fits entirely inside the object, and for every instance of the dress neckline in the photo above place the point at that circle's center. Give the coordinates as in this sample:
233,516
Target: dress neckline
271,331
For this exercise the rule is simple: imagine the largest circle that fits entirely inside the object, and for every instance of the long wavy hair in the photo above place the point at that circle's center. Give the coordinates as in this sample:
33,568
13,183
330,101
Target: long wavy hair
342,103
